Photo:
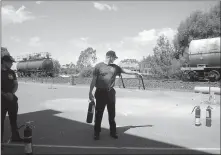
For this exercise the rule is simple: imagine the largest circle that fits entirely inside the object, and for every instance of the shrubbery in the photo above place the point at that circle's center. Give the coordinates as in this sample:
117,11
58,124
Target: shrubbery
163,64
169,58
86,72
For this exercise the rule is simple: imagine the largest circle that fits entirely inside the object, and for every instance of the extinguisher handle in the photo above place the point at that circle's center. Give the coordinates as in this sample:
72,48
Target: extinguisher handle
209,107
193,109
29,124
21,126
26,124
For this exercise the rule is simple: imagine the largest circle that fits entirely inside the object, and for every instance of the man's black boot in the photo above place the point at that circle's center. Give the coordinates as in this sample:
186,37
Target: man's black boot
96,136
114,135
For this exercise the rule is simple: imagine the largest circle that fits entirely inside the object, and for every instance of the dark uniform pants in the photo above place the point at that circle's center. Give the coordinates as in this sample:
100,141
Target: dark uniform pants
103,98
12,109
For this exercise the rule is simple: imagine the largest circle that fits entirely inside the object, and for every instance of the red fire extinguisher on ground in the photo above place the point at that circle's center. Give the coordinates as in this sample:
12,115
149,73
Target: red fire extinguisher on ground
28,139
209,116
197,115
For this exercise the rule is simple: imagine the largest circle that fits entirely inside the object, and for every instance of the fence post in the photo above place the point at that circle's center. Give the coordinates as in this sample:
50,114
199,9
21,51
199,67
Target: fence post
72,80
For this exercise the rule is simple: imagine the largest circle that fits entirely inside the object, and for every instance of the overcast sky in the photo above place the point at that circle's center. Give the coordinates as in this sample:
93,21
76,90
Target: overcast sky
66,28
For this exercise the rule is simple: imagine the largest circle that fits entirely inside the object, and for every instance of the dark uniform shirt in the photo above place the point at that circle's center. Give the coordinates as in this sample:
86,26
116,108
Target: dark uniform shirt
106,75
7,80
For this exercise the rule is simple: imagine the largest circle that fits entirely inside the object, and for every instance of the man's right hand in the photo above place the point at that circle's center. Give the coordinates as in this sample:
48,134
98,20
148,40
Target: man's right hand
91,96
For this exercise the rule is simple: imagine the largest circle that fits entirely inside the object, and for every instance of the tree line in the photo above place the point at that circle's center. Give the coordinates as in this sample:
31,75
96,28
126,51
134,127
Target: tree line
168,57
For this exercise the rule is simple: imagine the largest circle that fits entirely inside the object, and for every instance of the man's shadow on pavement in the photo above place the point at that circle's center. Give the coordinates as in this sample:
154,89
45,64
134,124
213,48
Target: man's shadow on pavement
121,130
54,130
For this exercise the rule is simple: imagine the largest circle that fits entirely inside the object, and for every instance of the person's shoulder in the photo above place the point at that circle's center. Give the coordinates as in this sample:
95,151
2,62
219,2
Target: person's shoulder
9,71
98,65
116,66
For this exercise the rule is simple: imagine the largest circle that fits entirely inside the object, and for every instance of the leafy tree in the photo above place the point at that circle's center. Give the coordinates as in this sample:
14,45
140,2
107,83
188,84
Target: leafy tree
86,72
198,25
163,63
86,58
56,66
147,60
71,65
69,69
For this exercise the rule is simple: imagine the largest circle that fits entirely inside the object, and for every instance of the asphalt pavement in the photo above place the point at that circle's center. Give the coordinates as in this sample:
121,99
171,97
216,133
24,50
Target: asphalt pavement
148,122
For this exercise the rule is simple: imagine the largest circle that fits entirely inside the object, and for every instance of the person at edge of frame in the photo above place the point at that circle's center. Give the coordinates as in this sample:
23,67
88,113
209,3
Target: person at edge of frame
9,101
104,75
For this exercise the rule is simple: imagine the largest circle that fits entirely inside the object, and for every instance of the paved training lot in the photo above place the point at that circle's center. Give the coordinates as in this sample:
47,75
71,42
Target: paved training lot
148,122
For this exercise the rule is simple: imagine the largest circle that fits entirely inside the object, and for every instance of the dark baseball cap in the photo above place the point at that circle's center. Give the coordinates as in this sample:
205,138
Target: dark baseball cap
8,58
111,54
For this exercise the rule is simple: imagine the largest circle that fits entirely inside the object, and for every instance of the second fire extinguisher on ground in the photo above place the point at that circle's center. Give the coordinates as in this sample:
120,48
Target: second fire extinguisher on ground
209,116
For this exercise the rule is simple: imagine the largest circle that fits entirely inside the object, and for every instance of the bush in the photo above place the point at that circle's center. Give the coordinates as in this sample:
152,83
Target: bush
175,71
163,64
86,72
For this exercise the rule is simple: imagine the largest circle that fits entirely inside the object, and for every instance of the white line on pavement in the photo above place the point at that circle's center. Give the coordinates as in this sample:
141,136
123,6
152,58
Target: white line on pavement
111,147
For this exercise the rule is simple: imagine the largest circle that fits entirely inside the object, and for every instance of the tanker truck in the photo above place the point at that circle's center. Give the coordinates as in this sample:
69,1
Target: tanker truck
40,67
203,60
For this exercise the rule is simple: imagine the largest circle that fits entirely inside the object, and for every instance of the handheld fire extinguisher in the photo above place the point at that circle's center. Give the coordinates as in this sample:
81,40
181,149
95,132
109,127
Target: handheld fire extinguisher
90,112
28,139
197,115
209,116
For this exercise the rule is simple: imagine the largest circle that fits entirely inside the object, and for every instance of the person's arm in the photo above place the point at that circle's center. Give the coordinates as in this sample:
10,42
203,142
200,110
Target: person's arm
93,83
15,88
130,72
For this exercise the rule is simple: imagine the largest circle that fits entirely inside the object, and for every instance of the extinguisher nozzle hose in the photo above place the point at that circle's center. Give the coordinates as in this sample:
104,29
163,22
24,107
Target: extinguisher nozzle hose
193,109
21,126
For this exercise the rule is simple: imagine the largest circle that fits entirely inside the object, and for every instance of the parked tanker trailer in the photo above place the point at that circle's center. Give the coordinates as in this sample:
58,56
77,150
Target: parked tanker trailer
39,67
204,60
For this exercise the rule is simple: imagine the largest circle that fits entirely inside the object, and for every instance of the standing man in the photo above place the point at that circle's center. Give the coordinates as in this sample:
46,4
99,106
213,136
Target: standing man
9,101
104,76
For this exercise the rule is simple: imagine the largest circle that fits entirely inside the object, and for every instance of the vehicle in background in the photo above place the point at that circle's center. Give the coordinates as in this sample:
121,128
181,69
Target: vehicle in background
203,60
36,65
